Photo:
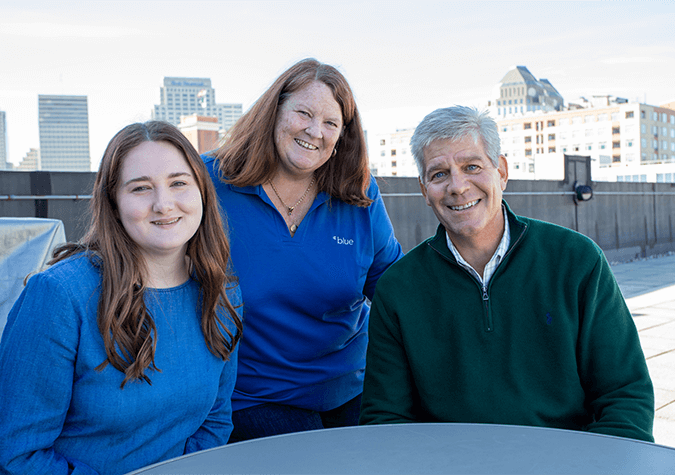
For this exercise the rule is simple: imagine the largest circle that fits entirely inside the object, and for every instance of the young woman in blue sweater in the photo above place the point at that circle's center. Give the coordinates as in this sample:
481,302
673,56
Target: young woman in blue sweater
123,352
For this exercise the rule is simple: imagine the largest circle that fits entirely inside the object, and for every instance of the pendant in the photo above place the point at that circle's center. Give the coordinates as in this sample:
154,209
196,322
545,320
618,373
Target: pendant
290,210
294,228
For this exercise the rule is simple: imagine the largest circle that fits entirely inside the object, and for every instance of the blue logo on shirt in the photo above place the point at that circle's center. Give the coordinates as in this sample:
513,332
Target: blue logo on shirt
549,318
345,241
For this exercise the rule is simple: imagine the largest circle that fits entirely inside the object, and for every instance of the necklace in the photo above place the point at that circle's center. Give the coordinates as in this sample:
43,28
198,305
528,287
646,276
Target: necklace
291,208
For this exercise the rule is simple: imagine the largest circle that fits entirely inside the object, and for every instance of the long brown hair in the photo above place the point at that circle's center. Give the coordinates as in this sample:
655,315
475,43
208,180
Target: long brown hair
128,330
248,156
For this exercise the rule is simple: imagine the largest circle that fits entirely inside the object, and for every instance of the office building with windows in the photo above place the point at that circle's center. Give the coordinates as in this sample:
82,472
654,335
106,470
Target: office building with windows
64,133
187,96
392,156
627,141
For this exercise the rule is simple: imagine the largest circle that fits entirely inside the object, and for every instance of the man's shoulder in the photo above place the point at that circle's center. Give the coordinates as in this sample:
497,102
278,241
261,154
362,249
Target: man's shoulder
555,235
412,265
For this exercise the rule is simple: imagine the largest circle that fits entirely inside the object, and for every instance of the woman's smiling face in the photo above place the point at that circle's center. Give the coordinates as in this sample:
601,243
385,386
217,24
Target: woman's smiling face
308,126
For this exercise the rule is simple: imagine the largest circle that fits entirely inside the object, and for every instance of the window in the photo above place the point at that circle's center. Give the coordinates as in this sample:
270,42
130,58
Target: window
664,131
589,118
393,152
643,178
619,178
551,150
655,144
672,133
660,178
393,163
643,115
672,119
644,128
655,130
575,148
527,125
629,114
616,130
672,146
616,158
528,152
603,145
616,144
383,142
664,145
589,146
551,123
528,139
629,143
655,116
615,116
551,136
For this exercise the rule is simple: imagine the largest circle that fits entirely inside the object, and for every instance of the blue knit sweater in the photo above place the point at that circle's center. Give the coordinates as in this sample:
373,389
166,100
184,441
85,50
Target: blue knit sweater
59,415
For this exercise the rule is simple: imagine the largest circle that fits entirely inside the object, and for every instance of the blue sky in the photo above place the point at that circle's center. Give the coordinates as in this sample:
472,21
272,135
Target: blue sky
402,58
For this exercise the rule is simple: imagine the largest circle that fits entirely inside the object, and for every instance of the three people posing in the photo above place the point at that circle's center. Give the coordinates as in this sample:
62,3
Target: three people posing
134,330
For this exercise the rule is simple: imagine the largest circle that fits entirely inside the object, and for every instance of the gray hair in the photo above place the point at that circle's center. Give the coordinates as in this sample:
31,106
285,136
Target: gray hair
455,123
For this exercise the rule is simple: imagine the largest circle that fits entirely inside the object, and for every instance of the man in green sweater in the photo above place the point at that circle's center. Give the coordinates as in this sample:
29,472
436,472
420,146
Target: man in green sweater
499,318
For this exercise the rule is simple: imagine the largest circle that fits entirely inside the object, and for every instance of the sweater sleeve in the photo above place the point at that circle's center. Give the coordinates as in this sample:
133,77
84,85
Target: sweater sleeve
37,358
612,366
387,249
216,429
388,389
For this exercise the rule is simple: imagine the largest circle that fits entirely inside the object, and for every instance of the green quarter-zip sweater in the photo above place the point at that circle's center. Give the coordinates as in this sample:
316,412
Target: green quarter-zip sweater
550,342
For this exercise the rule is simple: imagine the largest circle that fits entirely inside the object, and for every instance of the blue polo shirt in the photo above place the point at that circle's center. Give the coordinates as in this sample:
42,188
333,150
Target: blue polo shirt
305,297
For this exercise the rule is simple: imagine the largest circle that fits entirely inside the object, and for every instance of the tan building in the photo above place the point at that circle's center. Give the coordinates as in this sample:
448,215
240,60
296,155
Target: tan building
626,141
392,156
202,132
31,161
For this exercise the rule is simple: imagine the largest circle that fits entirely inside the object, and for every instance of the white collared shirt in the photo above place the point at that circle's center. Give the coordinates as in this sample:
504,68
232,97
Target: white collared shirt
497,257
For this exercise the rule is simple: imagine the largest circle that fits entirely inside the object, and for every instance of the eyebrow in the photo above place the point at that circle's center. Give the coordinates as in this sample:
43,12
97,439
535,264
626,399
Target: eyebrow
147,178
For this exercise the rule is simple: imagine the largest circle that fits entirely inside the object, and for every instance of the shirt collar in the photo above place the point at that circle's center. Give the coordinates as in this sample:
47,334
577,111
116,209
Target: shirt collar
497,257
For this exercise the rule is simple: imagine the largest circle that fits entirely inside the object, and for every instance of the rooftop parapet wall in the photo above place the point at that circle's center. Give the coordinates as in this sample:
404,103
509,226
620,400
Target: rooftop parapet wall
627,220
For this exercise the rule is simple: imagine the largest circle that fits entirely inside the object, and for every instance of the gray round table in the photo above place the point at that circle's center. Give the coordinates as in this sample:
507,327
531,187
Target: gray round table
429,448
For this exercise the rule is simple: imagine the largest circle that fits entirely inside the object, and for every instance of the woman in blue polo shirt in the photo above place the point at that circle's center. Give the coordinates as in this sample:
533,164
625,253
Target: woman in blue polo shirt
310,237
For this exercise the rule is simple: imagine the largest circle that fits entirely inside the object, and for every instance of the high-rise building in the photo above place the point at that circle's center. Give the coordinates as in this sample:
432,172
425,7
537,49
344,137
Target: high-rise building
3,141
186,96
64,133
520,92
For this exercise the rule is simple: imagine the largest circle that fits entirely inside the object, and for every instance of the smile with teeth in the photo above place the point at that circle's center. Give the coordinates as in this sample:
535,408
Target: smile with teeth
306,145
462,207
165,223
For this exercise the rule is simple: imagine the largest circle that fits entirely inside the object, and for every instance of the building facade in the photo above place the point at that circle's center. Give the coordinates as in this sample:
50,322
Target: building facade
186,96
202,132
64,133
392,156
31,161
4,165
627,141
520,92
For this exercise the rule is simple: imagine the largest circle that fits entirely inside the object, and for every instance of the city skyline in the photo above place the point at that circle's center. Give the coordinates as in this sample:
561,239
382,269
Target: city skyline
402,59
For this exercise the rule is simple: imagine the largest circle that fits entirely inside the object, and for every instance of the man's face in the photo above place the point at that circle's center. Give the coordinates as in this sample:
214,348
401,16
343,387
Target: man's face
464,189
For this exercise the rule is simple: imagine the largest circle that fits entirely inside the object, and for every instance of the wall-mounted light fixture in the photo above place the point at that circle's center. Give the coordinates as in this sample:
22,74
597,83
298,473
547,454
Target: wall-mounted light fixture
582,192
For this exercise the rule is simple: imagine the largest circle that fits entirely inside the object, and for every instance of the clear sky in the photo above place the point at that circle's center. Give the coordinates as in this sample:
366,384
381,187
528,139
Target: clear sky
403,59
